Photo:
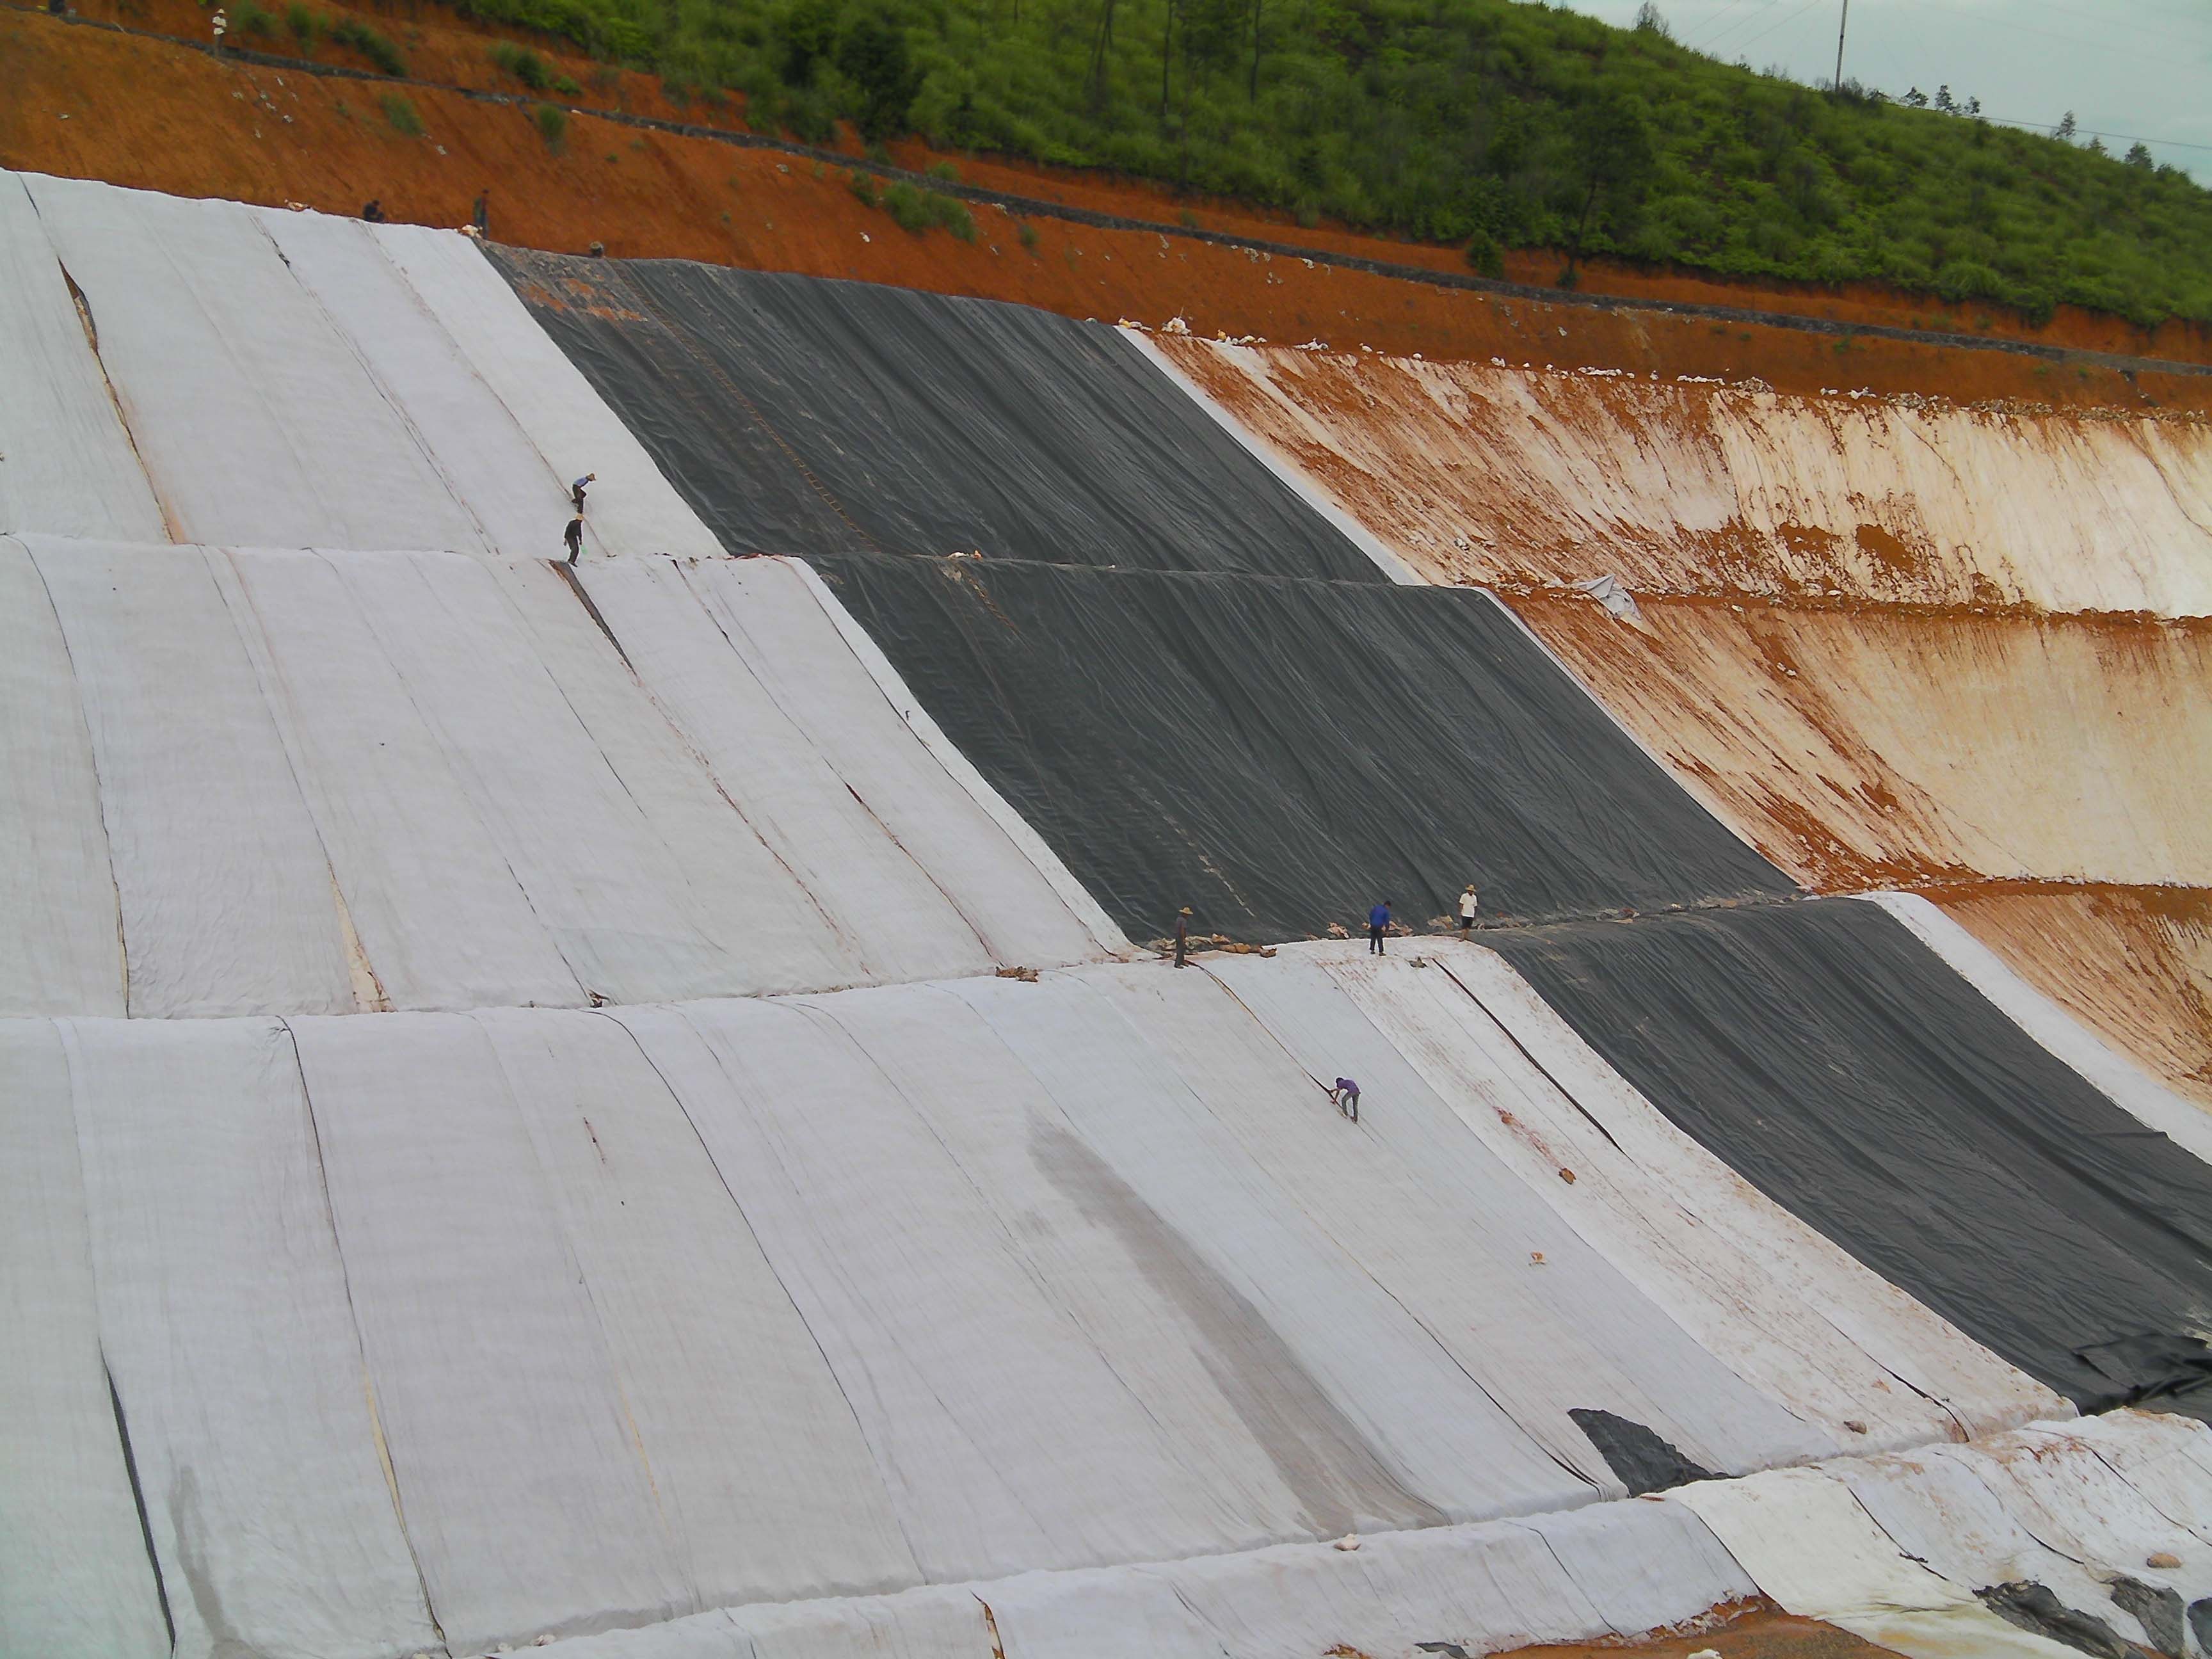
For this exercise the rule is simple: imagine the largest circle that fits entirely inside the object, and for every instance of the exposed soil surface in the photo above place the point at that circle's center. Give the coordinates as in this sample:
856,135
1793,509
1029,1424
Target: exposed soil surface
2134,964
1756,1629
88,102
1473,472
444,48
1864,745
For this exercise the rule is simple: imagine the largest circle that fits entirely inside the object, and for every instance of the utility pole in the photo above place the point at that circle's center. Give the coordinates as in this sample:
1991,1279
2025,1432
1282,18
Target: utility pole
1840,28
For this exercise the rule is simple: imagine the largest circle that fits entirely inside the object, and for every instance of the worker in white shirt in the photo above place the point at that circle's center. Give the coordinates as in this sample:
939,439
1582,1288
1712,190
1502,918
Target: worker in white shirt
1466,903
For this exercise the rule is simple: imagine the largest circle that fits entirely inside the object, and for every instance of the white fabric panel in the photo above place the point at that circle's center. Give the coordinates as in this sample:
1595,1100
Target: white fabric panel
1939,1511
2119,1079
2070,1500
526,1498
918,1624
1728,1301
441,920
873,892
735,888
1644,1566
1924,1352
1520,1301
66,463
75,1580
227,896
58,905
226,1325
1808,1545
761,1468
512,497
633,508
1114,1612
775,624
254,417
1276,1461
916,719
2167,1459
1448,1447
1806,1542
1005,1438
613,894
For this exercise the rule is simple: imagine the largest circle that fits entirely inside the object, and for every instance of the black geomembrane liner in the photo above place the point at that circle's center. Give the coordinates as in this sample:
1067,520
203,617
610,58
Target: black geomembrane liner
798,416
1280,755
1840,1065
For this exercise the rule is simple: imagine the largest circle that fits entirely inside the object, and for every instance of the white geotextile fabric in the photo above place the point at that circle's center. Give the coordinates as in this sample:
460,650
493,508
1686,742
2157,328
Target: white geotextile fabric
1394,1382
1471,1247
633,508
58,900
2167,1459
75,1581
66,464
1922,1351
227,901
902,923
1005,1438
1486,1587
253,415
277,781
527,1501
775,614
1431,1007
515,499
1939,1511
2072,1500
2112,1074
226,1324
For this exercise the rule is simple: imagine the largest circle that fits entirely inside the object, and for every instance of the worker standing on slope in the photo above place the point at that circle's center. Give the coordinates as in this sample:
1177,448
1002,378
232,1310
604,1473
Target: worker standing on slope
576,490
573,537
1378,921
220,23
481,213
1183,936
1466,906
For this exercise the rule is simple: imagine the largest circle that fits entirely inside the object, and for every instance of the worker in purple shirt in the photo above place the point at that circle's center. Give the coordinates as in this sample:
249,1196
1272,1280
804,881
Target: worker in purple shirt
1378,922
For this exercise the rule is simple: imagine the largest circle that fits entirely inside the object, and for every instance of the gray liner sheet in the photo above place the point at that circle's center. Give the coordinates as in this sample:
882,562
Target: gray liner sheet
1839,1065
799,416
1280,754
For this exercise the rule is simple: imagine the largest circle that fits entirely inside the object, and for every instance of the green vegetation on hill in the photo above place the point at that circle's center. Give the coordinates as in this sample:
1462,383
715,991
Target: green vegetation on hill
1484,123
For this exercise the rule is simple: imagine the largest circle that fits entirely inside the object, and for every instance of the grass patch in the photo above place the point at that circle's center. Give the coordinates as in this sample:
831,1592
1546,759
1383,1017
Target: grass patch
382,51
552,122
521,65
405,120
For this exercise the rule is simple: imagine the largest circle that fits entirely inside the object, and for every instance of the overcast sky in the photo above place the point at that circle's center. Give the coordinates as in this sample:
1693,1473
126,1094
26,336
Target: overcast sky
2141,68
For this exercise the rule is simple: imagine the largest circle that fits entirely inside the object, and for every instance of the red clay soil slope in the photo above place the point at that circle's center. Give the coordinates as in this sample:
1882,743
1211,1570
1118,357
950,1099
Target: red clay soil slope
87,102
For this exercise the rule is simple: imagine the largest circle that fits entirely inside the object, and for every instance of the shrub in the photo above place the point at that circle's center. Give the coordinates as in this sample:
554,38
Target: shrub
862,185
401,113
909,208
552,125
567,86
1484,256
305,25
1025,233
248,18
952,213
946,171
379,49
523,64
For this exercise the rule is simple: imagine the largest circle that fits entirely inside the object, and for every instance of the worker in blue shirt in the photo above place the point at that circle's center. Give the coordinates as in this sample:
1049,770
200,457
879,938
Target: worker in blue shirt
1378,922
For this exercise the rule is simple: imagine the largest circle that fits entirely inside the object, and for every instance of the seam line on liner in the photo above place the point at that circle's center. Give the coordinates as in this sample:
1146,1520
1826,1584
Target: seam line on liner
1564,299
92,759
353,1318
138,1499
